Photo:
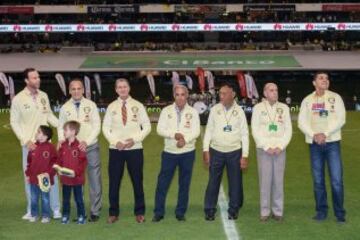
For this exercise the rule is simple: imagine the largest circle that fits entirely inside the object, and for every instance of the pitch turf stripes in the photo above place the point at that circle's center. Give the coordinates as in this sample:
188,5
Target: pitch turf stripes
229,225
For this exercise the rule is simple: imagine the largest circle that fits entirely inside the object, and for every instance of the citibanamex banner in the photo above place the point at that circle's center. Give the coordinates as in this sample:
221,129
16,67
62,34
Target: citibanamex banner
189,27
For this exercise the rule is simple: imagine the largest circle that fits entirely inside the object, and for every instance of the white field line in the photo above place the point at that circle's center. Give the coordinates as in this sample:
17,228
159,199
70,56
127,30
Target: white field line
229,225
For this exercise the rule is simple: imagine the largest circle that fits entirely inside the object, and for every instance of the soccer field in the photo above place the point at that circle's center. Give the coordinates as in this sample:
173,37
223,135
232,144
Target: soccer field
299,200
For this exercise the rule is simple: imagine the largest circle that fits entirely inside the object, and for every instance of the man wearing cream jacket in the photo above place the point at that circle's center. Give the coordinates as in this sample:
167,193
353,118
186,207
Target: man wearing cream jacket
226,144
125,126
30,108
86,113
321,117
179,125
272,130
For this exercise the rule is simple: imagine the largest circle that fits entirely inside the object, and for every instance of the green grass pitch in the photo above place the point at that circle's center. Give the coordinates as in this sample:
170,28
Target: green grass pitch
299,201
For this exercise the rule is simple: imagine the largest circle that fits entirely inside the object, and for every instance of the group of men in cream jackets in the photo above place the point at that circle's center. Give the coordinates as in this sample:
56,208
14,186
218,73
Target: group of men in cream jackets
225,144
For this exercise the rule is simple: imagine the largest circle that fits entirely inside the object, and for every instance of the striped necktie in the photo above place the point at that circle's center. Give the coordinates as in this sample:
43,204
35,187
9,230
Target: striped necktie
124,113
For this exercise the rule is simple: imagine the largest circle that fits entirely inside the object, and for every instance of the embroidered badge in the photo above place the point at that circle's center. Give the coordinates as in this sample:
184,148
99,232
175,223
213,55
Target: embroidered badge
135,110
188,116
75,153
331,100
43,102
46,154
87,110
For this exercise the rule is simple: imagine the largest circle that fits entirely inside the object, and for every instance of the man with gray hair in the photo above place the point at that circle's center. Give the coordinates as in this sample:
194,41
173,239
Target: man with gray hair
179,125
272,130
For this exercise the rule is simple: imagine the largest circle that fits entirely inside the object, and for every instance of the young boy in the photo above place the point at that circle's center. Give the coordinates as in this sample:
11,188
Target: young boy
73,159
40,162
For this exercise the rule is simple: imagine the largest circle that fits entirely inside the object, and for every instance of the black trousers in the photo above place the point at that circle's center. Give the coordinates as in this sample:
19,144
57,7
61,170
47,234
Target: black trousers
134,161
218,161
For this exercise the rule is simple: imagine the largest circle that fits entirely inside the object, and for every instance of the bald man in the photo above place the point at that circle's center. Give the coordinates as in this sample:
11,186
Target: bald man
272,130
86,113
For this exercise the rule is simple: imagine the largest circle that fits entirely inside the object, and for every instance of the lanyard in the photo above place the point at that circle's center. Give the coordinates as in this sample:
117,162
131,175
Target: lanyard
231,114
271,120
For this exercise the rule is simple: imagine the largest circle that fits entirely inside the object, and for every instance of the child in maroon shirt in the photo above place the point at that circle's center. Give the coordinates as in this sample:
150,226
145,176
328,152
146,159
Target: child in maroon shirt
71,157
40,161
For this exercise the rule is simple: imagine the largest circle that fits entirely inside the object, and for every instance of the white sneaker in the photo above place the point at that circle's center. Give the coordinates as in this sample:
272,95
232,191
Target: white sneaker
45,220
57,215
27,216
32,219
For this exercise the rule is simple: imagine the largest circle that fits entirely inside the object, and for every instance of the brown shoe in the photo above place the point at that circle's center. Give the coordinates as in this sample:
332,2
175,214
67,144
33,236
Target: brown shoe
112,219
140,218
264,218
277,218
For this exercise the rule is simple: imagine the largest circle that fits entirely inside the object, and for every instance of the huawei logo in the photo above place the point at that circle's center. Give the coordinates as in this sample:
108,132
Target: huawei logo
144,27
80,27
309,26
341,26
175,27
48,28
17,28
277,26
239,27
112,27
207,27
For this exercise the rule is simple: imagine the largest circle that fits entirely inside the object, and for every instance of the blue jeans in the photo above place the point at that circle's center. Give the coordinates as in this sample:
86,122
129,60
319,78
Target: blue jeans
36,193
169,162
79,200
54,190
330,154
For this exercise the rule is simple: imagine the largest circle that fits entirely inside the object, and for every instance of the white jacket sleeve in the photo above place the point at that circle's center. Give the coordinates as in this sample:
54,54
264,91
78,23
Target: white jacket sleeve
244,135
303,120
288,130
14,121
162,127
106,128
208,131
255,129
145,125
95,125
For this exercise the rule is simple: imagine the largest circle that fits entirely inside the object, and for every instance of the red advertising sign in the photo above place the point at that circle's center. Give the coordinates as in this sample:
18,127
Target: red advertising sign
16,10
341,7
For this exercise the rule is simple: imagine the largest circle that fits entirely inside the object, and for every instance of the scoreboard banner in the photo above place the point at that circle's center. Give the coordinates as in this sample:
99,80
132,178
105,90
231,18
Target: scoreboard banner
205,27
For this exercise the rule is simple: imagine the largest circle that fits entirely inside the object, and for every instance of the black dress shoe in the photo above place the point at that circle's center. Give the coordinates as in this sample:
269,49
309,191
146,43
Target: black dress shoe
233,216
180,217
209,217
157,218
94,218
